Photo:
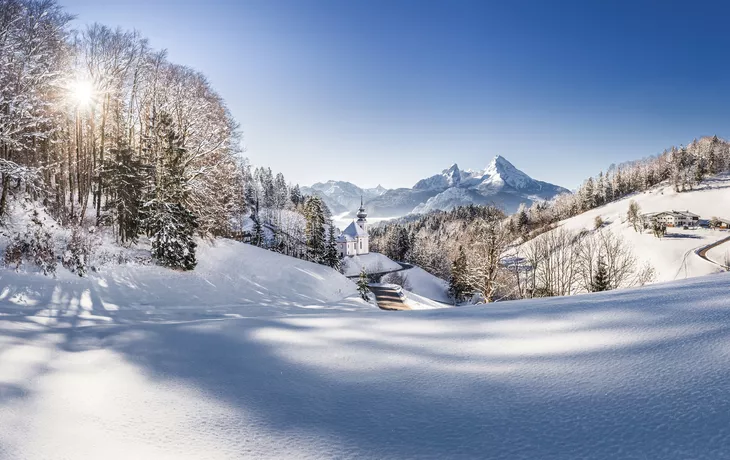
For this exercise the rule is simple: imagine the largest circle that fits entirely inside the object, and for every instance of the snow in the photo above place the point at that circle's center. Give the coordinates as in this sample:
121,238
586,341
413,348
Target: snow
424,284
372,262
231,278
673,257
638,373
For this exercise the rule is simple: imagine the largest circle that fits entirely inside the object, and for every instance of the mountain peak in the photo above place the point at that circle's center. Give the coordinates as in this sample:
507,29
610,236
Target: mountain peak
500,162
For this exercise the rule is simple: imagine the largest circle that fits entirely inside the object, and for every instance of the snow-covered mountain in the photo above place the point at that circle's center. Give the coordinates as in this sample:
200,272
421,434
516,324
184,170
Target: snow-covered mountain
341,196
500,183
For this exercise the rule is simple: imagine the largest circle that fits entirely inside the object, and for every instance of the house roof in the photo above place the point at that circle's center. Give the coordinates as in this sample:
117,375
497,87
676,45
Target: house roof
354,231
685,214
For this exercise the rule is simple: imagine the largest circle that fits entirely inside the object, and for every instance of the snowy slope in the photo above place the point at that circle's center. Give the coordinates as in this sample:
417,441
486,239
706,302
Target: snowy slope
372,263
672,256
424,284
639,373
230,277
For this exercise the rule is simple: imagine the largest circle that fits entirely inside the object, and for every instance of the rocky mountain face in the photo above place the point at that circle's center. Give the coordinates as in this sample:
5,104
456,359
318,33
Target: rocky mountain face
500,183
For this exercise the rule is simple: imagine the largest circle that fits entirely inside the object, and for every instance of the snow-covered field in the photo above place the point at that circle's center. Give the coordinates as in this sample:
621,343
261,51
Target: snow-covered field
672,256
638,373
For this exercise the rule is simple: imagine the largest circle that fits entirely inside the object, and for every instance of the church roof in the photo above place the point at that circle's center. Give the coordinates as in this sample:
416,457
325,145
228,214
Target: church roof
354,230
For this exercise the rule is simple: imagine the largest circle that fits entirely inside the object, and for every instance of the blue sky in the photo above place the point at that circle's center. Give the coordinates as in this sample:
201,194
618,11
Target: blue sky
390,91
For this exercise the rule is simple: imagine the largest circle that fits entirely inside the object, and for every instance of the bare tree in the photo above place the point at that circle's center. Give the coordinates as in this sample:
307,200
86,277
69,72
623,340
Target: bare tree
489,238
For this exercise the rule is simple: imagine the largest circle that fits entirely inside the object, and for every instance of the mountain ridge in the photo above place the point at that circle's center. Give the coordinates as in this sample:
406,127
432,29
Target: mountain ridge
499,183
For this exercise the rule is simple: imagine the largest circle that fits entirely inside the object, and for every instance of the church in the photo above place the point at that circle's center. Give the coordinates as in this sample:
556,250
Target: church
354,240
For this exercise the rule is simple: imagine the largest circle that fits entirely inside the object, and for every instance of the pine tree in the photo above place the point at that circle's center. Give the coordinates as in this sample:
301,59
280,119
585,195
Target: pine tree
258,232
458,287
362,285
170,224
332,258
295,195
315,230
600,278
124,176
522,219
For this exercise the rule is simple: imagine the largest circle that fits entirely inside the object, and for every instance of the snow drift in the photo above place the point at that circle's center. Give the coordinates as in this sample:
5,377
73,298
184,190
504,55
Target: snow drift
639,373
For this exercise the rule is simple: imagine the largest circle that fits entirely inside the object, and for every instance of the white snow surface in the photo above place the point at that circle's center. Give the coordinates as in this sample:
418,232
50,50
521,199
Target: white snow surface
427,285
639,373
372,262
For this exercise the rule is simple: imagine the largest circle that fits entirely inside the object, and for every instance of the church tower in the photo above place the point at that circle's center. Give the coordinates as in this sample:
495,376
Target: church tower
362,217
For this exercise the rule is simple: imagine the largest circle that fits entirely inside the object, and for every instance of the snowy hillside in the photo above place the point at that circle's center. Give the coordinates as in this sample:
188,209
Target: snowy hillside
673,256
372,263
640,373
231,278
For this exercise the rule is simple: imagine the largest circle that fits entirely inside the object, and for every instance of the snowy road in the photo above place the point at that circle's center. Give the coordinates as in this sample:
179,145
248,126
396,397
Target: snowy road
703,252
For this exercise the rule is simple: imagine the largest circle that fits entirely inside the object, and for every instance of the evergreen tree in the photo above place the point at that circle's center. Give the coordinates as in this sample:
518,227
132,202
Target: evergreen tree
126,182
522,219
295,195
458,286
332,258
315,229
170,224
362,285
281,192
600,281
172,227
258,232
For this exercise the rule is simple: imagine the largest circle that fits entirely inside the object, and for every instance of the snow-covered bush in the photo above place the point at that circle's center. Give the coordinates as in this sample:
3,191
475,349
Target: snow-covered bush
78,251
35,245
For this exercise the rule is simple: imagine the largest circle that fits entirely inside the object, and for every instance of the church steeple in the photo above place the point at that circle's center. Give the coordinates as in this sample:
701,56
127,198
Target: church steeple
361,214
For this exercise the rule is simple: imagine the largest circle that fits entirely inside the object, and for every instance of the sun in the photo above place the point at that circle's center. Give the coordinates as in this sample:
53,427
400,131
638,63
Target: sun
82,92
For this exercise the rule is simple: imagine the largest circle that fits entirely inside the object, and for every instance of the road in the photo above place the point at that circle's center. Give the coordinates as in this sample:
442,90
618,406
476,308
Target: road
702,252
403,266
388,299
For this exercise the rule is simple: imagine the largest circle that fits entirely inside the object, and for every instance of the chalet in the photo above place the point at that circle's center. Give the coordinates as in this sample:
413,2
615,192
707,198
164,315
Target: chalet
353,241
721,223
673,218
